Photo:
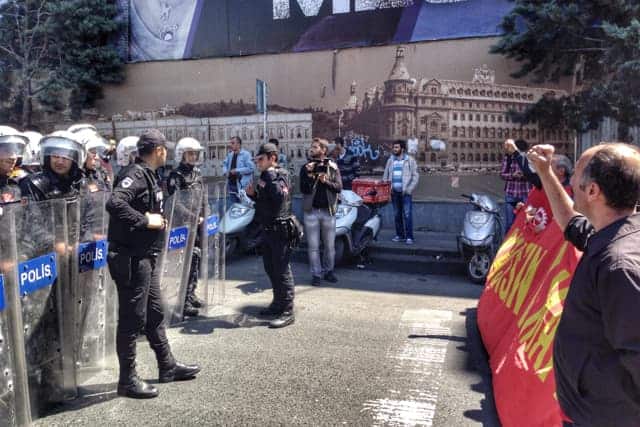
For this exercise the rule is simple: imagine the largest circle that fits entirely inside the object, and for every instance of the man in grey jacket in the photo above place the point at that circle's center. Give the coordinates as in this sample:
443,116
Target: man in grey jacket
402,171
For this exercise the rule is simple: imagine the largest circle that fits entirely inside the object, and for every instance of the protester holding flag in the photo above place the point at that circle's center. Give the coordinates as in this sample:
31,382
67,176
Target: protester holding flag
596,354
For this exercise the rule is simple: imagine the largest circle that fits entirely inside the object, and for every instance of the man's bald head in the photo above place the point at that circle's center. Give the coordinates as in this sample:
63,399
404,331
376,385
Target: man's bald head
615,167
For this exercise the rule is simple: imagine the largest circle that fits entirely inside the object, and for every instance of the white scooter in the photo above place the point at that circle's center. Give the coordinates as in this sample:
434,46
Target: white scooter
241,232
481,236
357,225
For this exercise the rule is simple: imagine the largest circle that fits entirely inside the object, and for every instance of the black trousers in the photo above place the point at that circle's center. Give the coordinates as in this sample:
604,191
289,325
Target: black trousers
194,272
140,309
275,256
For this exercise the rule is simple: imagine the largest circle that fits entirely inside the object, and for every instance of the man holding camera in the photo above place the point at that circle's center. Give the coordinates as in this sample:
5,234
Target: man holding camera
320,183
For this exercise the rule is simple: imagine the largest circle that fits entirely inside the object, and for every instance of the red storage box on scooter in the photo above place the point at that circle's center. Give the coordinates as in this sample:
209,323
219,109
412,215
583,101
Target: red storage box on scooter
373,191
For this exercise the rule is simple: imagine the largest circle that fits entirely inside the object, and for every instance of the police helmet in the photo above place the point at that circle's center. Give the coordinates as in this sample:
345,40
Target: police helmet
126,149
31,155
78,127
62,143
12,145
92,141
186,145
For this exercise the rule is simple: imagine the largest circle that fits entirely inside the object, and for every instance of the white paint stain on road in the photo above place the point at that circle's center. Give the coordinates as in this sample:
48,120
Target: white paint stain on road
418,363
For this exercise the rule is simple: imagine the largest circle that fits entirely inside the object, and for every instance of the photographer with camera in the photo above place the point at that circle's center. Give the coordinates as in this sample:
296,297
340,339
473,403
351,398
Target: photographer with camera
320,183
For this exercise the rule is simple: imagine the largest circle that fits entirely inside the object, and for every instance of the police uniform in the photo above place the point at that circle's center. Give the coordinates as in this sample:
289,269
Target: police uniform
9,190
184,177
47,185
273,212
97,180
134,265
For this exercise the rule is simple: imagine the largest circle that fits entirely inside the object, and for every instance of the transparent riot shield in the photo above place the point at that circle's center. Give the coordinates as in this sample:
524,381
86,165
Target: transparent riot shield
42,249
183,212
94,296
212,266
14,397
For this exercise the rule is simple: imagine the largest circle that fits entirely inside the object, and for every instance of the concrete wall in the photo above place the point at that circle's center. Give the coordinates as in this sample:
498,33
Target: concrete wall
297,79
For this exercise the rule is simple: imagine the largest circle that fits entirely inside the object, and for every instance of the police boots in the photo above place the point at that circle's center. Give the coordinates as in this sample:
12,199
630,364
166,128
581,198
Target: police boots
137,389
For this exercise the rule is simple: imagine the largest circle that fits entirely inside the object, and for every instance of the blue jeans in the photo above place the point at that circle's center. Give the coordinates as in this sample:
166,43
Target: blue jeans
402,208
319,223
510,203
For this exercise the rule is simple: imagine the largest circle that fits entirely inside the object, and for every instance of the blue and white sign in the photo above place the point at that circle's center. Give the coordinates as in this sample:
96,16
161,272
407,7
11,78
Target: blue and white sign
212,225
37,273
92,255
178,238
1,292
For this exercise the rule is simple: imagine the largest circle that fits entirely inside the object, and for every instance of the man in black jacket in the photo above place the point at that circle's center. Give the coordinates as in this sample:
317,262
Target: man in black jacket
136,238
320,183
596,351
347,163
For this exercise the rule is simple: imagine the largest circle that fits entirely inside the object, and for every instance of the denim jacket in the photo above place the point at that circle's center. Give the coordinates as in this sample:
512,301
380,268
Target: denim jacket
244,167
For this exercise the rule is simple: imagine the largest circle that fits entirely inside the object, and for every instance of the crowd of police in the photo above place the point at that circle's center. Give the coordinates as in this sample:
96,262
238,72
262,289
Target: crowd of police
69,165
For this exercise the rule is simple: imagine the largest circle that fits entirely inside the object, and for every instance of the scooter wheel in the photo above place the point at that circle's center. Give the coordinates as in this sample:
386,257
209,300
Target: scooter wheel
478,267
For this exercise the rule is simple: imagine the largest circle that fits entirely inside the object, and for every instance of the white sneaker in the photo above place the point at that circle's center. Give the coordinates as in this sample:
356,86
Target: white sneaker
410,242
397,239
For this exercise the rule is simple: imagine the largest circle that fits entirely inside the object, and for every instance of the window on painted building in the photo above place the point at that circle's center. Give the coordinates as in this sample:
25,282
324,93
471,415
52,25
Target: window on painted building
434,90
477,117
443,127
454,158
433,157
463,132
299,153
486,118
493,157
433,102
499,132
455,116
463,157
485,157
477,157
454,132
455,144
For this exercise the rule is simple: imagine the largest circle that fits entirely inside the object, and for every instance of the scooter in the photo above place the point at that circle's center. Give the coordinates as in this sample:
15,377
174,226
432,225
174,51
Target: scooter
481,236
241,232
357,225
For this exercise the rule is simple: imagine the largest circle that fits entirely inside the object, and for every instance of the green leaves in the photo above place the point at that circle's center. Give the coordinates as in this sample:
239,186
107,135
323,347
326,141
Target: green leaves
595,42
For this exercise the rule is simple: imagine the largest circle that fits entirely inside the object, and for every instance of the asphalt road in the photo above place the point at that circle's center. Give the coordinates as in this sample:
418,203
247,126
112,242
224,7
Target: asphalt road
374,349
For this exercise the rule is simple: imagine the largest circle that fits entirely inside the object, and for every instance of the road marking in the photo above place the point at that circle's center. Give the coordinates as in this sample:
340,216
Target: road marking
418,365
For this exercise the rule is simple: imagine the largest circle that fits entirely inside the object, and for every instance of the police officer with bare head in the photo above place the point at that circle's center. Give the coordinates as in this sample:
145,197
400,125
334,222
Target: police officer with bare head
273,211
136,238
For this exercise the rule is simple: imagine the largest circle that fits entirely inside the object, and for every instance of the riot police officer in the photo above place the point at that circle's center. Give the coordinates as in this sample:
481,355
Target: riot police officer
136,238
273,211
187,175
95,145
62,156
11,148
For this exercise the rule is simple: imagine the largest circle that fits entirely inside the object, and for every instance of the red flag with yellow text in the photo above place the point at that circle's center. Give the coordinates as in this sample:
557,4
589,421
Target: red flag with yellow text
518,315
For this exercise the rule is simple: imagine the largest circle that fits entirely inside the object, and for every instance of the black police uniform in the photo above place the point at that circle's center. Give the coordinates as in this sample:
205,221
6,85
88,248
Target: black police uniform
133,263
273,210
47,185
185,177
9,190
97,180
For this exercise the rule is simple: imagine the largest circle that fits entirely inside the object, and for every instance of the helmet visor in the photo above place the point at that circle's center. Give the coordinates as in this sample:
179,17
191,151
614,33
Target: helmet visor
11,149
62,147
193,156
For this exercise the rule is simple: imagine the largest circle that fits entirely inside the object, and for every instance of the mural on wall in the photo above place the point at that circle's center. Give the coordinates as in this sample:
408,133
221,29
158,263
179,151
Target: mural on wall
181,29
459,125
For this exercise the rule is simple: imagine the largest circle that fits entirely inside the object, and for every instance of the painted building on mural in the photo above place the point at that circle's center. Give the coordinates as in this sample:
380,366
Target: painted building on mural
471,117
293,130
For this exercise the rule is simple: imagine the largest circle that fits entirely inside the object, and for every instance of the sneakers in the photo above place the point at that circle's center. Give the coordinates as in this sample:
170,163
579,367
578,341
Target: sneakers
330,277
397,239
286,318
190,311
316,281
410,242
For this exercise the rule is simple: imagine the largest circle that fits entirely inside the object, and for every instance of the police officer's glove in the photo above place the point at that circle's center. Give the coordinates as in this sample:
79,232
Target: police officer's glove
155,221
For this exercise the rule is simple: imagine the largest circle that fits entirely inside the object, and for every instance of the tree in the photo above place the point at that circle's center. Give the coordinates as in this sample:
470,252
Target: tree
57,53
595,42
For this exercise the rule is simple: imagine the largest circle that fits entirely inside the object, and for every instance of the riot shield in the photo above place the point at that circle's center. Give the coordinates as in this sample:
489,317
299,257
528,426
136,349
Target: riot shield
42,250
14,398
94,296
213,244
183,212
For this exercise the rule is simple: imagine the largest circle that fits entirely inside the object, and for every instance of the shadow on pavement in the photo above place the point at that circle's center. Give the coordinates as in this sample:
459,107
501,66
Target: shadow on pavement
478,361
247,318
88,396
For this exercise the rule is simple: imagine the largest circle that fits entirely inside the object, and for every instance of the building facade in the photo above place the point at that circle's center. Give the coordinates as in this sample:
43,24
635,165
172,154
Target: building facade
471,117
292,130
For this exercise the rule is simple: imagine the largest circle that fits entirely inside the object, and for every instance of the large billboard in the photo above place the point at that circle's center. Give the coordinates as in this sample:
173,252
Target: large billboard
183,29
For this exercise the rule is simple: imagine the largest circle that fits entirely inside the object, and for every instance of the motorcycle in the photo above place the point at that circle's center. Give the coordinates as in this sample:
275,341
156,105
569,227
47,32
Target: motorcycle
242,234
480,237
357,225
